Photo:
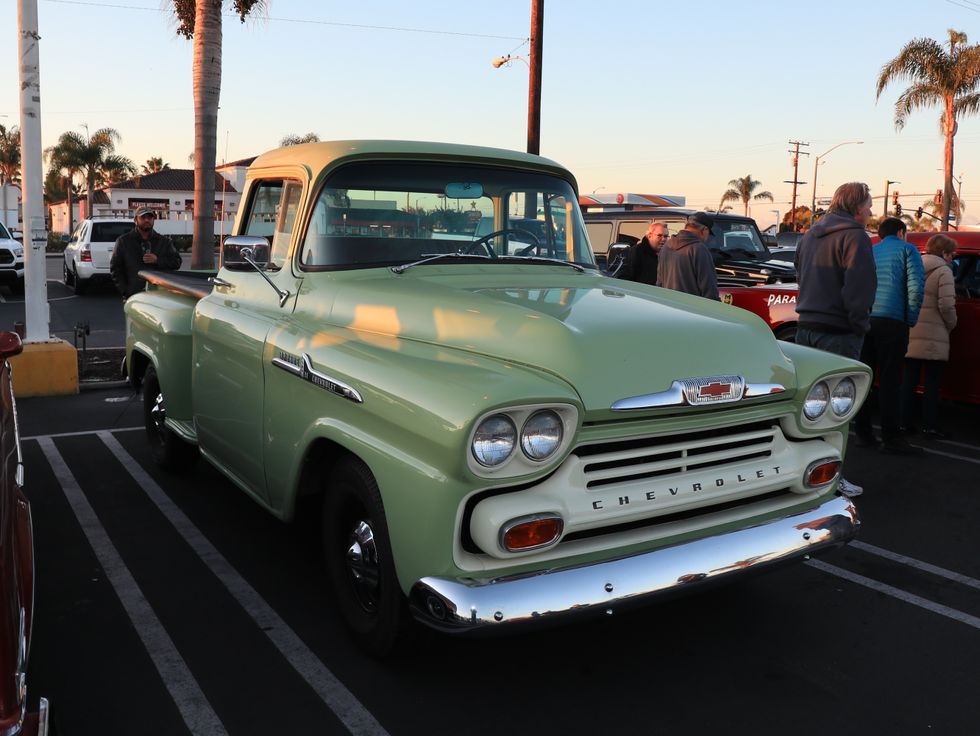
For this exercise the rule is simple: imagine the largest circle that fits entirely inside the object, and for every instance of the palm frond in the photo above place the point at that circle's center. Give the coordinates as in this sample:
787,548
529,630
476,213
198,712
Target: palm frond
764,195
917,97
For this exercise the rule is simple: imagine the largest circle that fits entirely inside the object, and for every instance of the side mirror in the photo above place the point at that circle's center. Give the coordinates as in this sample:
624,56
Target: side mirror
769,241
616,257
10,345
238,250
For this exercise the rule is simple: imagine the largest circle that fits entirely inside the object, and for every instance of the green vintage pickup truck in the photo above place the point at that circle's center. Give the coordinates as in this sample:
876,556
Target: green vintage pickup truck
498,434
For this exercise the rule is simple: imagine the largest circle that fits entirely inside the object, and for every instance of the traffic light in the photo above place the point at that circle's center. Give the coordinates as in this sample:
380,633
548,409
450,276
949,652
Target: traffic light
895,198
939,198
918,214
898,209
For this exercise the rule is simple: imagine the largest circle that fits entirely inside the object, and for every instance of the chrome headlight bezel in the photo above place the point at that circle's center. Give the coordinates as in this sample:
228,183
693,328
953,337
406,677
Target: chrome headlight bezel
816,401
541,435
836,384
519,461
843,397
494,440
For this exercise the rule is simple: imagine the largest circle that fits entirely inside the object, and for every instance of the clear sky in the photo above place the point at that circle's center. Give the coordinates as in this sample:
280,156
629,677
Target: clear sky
637,95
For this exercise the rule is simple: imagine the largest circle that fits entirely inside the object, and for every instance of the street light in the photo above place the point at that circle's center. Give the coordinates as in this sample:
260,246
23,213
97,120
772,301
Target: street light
776,213
503,60
884,209
816,162
597,189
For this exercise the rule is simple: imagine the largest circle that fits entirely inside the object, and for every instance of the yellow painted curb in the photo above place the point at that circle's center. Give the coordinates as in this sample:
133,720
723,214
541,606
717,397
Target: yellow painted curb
45,369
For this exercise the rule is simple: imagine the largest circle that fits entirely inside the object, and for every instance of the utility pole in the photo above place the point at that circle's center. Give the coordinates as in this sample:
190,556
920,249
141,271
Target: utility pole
36,314
796,167
534,82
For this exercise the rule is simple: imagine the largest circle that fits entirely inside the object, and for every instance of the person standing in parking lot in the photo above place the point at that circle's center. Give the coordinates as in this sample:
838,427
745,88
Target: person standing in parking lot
685,261
898,299
928,348
141,248
641,259
835,269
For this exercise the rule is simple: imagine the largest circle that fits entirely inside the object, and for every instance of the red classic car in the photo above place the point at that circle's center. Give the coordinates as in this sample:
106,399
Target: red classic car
776,304
16,565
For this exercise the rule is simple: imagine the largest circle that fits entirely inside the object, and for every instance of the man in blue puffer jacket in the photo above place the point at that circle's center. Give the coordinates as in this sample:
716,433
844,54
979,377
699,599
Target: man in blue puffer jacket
898,299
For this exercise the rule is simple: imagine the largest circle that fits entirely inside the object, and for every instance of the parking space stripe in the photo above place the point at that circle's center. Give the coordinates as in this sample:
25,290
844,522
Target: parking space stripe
898,593
918,564
331,691
965,459
190,700
85,433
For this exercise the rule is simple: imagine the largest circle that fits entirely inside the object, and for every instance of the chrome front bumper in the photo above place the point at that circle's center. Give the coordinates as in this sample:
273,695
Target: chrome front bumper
464,605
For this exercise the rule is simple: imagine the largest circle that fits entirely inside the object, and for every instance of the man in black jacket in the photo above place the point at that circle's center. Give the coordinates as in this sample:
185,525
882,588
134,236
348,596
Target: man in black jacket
641,258
685,261
141,248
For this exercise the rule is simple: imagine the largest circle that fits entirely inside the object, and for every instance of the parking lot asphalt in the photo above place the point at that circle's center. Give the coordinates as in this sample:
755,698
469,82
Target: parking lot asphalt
172,604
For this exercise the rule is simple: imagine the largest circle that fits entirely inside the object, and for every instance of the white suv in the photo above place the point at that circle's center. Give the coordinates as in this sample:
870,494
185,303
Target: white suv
90,248
11,262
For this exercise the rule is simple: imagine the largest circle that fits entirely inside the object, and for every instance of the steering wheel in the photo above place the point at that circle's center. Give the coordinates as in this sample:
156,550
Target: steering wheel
484,241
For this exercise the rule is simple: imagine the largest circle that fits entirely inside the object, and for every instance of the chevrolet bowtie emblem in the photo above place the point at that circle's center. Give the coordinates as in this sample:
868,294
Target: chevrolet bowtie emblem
713,390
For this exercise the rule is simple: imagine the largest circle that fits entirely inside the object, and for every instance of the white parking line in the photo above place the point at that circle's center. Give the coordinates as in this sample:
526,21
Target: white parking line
918,564
332,692
79,434
193,705
898,593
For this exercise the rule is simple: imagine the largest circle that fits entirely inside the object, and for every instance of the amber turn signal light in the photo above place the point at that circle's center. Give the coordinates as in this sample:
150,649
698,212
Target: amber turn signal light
531,532
821,472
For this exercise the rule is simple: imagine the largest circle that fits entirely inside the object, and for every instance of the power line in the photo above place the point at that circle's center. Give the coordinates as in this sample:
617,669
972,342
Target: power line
305,21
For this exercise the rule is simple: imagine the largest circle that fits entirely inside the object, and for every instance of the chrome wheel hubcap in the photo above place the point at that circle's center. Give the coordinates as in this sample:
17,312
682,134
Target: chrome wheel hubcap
362,565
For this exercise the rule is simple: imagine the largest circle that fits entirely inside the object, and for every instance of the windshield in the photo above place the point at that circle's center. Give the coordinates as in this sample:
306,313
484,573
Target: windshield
4,235
739,238
373,214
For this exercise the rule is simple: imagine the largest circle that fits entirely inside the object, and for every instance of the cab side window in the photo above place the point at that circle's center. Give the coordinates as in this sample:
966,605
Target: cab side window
272,215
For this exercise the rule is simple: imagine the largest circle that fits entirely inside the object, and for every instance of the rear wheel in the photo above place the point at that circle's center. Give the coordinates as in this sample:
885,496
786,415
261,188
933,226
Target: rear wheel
66,274
79,285
168,450
358,559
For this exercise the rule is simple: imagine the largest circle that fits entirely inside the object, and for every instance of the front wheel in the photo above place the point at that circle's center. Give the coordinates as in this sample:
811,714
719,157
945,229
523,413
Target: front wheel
168,450
358,558
786,333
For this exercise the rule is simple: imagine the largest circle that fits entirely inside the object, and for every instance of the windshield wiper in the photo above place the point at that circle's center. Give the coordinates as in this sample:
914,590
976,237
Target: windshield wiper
539,259
431,257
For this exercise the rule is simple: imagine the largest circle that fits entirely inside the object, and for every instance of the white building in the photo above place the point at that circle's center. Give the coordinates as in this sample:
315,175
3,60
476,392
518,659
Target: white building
169,192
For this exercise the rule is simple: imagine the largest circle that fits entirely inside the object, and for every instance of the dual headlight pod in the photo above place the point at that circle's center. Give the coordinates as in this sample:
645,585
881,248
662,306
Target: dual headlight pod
542,433
839,394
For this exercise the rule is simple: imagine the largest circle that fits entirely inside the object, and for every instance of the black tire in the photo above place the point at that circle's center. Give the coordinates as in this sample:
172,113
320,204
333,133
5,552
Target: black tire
169,451
359,563
80,286
66,274
17,287
787,333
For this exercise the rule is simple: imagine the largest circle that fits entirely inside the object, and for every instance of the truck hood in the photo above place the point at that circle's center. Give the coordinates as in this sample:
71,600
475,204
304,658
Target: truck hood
608,338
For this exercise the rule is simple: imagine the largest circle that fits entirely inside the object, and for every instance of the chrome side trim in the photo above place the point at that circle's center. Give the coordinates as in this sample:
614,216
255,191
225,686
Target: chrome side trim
303,368
463,605
686,393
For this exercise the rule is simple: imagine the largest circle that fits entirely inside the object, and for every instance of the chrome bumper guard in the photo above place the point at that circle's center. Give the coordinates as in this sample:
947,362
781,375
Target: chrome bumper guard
466,605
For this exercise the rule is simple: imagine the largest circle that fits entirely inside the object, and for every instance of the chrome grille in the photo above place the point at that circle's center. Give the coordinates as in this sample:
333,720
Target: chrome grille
619,462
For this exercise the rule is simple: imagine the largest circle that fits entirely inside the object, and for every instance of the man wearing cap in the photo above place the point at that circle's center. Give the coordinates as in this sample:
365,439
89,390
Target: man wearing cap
685,261
141,248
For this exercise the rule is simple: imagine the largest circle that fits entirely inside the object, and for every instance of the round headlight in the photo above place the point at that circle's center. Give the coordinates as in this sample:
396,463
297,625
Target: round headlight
816,401
494,440
842,399
541,435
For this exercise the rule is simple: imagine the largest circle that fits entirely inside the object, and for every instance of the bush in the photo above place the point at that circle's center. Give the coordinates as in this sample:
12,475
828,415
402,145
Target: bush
55,243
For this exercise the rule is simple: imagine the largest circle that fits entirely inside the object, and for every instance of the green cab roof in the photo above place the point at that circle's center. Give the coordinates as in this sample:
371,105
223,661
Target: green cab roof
321,156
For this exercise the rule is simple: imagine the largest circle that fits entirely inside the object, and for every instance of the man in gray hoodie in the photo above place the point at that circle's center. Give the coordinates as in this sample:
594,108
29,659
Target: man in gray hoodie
685,261
835,268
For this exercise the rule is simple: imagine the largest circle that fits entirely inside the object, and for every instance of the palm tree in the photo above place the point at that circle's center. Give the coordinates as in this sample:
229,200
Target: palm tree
94,158
154,165
9,154
201,21
742,189
294,140
947,79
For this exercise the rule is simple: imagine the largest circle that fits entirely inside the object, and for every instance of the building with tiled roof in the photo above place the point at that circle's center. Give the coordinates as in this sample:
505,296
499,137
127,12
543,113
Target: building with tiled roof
169,192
